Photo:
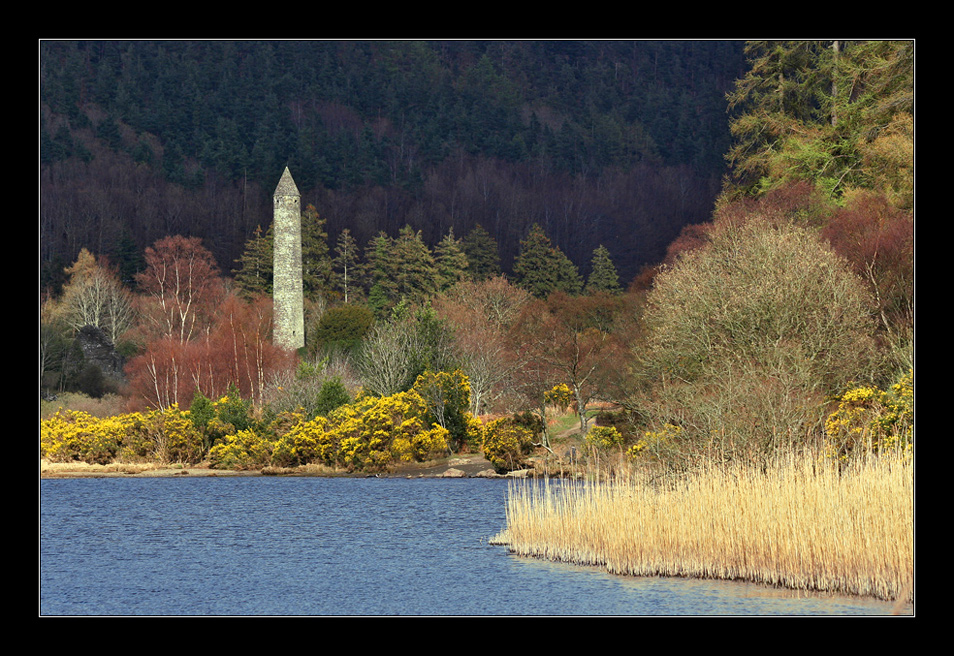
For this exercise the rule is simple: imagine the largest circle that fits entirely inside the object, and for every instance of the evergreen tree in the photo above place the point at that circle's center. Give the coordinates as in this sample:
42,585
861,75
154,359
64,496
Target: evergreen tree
128,258
400,270
253,274
542,268
315,255
483,254
819,111
382,289
603,275
451,262
414,265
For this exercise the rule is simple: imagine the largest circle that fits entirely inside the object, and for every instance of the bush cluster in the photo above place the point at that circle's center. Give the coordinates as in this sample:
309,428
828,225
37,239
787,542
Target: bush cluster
505,442
872,420
368,434
164,436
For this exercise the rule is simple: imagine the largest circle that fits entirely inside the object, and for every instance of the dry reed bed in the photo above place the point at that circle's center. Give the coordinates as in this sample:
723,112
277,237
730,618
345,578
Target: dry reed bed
801,523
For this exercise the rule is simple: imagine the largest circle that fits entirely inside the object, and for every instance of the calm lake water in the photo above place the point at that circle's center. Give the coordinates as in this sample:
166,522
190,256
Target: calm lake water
328,546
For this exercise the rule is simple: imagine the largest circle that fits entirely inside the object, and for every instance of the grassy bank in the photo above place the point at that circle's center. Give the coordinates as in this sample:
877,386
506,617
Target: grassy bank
800,523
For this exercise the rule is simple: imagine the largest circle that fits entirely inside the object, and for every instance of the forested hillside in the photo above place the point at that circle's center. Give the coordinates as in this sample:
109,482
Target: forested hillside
472,217
613,143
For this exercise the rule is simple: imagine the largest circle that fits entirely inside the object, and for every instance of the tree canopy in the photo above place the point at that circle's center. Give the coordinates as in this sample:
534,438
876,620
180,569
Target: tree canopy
837,113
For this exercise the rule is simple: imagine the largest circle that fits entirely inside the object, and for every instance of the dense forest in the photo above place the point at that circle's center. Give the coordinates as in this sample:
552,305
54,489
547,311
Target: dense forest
713,239
613,143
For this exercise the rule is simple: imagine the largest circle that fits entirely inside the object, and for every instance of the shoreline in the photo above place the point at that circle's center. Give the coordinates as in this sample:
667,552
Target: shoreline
462,466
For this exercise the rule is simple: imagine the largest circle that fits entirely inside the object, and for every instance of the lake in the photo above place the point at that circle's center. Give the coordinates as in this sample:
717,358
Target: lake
255,546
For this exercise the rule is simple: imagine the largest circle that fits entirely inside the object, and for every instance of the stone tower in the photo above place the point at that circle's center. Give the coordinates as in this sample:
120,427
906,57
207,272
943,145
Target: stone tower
287,292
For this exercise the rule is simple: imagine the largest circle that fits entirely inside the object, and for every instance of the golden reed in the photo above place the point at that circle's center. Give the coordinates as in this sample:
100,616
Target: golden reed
801,523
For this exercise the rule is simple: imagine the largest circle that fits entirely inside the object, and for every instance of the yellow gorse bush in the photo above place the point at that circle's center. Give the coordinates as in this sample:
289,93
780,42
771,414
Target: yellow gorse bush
604,437
162,435
505,442
78,436
872,419
560,396
246,449
366,435
652,442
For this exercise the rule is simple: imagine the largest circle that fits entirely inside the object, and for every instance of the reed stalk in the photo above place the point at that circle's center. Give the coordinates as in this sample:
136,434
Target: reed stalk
802,522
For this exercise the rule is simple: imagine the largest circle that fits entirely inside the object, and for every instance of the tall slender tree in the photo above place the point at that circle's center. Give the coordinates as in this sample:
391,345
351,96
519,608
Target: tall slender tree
345,263
451,262
182,288
315,254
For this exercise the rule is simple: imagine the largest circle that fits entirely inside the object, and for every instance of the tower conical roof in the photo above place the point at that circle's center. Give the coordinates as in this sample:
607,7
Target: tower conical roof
286,186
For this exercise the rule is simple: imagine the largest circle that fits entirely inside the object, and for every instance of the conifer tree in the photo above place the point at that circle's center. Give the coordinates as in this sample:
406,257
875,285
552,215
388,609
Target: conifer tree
399,269
483,254
382,289
820,111
415,269
253,274
542,268
603,275
451,262
315,254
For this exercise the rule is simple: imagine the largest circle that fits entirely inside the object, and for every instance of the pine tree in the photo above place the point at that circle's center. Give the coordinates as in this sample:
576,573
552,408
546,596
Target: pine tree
603,275
315,255
483,254
415,269
451,262
382,288
254,272
542,268
401,269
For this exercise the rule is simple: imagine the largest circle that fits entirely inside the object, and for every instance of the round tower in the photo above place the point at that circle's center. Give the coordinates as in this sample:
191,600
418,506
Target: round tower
287,292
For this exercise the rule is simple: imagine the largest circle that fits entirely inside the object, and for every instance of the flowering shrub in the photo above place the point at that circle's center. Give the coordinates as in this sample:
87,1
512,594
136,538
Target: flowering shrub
561,396
505,443
78,436
652,442
368,434
604,437
474,431
869,418
164,435
245,449
172,436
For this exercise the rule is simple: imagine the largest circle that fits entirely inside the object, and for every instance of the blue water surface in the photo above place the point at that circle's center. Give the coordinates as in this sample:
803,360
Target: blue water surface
338,547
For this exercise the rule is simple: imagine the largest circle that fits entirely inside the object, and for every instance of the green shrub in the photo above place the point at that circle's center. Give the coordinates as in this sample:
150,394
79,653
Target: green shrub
333,394
342,328
447,398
